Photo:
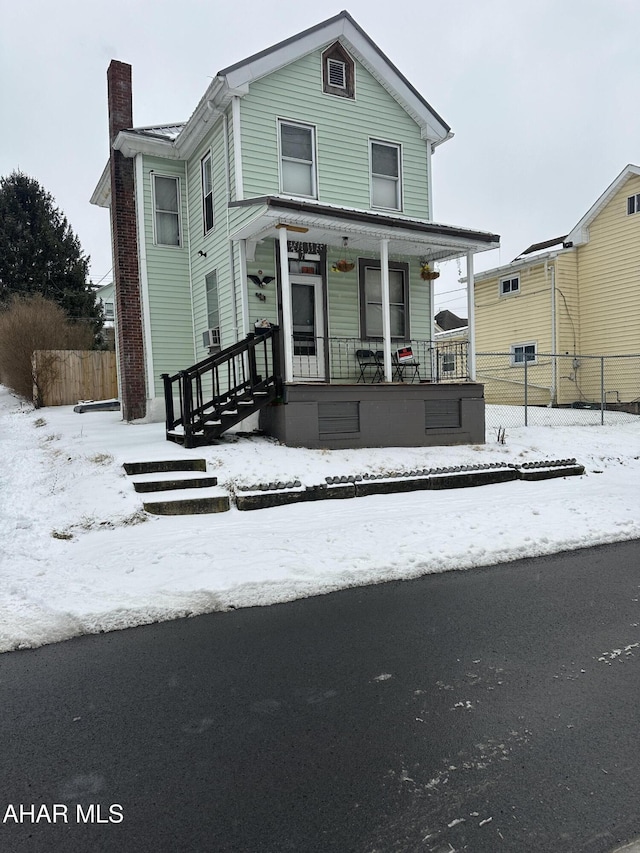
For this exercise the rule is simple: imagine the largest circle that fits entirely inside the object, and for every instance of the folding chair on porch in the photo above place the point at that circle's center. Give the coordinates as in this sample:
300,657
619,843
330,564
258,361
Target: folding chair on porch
368,361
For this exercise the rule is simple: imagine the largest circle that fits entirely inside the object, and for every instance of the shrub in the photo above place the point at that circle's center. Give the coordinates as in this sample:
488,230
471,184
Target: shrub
30,323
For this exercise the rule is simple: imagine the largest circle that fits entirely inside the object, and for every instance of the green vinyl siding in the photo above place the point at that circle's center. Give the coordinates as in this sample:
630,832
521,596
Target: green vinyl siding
344,128
211,251
167,275
344,300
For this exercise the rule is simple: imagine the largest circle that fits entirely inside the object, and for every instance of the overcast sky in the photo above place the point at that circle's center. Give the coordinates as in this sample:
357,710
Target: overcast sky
542,96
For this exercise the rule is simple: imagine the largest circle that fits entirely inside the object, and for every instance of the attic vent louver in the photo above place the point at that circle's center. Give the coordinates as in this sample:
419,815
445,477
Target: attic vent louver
337,73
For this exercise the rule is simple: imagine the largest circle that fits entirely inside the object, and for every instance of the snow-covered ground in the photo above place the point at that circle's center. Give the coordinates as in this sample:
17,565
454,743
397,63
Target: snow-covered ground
78,554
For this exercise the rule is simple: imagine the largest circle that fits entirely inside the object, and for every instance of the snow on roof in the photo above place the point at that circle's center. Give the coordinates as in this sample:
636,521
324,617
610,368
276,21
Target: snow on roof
170,132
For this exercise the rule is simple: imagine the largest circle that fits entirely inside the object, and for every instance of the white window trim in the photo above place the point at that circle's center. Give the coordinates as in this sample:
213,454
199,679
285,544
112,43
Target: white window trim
176,178
636,204
522,345
400,181
509,278
204,159
314,154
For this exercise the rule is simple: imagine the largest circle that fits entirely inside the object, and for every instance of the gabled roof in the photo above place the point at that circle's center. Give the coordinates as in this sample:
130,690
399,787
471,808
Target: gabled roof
179,141
344,28
580,233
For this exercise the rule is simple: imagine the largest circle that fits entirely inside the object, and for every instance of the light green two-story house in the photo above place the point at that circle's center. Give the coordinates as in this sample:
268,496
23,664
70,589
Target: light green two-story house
276,253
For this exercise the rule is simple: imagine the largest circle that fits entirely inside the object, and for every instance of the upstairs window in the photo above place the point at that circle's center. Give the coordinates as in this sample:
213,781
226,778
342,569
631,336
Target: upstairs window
166,193
207,193
109,312
633,204
297,159
386,184
509,285
338,72
524,352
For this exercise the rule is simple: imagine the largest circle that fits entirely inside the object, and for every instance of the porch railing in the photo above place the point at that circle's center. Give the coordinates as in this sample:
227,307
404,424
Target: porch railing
204,400
437,361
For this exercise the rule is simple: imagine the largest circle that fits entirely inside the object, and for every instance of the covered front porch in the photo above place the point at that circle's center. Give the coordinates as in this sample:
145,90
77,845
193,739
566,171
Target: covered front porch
351,285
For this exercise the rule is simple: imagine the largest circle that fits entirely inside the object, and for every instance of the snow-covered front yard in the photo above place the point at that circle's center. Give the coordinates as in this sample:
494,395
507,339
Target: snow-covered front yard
78,554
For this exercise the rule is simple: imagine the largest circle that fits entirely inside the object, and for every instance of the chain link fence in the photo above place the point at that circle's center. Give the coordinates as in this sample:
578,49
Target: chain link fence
528,388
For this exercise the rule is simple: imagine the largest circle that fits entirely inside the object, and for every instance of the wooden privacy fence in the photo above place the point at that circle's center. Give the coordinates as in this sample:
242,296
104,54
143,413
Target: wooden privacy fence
63,377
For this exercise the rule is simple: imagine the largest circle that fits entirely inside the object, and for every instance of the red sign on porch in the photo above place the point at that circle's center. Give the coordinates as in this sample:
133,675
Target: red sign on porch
404,354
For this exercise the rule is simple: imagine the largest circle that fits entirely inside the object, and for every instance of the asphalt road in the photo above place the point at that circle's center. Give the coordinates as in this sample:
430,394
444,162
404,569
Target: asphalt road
488,710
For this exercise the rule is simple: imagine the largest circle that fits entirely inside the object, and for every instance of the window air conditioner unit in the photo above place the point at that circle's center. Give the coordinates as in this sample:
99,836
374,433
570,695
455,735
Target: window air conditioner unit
211,339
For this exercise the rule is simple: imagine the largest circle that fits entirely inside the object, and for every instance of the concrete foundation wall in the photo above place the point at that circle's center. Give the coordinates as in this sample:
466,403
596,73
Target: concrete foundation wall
378,415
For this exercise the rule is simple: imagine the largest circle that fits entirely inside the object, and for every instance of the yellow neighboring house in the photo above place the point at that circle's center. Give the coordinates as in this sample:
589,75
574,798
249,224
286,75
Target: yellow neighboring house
560,296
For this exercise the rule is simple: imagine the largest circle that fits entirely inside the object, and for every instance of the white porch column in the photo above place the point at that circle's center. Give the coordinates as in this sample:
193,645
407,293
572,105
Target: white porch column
244,290
287,320
386,316
471,356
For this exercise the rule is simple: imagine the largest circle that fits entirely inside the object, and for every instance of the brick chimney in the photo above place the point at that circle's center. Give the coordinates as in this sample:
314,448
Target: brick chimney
125,249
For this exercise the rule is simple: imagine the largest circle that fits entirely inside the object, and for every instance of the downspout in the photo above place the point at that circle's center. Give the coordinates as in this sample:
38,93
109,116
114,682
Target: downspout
386,315
144,279
232,260
432,287
193,312
554,338
471,355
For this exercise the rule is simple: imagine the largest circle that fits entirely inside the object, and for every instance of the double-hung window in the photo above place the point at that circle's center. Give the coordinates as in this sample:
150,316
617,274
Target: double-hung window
524,352
207,193
371,299
297,159
386,183
166,195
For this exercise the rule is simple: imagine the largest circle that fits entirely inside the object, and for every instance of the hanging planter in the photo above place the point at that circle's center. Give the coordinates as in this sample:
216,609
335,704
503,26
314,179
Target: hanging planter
342,266
426,273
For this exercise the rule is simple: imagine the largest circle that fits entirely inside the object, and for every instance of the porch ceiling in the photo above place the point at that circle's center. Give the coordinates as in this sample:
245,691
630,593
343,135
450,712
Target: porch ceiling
365,229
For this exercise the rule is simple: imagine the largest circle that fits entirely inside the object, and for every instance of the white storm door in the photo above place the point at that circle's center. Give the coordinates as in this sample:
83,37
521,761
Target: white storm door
308,327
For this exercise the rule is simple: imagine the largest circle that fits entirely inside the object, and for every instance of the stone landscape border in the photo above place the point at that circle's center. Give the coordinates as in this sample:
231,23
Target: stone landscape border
266,495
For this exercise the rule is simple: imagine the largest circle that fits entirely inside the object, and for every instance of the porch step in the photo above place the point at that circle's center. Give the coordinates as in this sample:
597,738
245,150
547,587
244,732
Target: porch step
171,485
163,465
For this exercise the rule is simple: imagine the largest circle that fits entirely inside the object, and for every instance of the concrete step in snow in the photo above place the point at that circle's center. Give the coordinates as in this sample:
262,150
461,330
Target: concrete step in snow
153,484
160,466
182,502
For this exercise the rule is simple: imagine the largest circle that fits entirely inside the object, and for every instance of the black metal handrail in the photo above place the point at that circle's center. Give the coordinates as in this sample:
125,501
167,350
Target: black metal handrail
223,385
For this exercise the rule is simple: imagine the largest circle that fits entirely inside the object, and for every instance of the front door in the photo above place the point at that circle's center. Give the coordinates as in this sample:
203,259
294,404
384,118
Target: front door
308,327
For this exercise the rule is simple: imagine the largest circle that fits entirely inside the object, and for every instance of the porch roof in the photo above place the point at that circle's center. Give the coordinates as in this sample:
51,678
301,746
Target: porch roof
324,223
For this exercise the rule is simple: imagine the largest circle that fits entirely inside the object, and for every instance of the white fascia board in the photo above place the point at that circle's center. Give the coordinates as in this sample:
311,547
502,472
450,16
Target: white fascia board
209,110
451,333
361,49
102,194
517,266
580,232
131,144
